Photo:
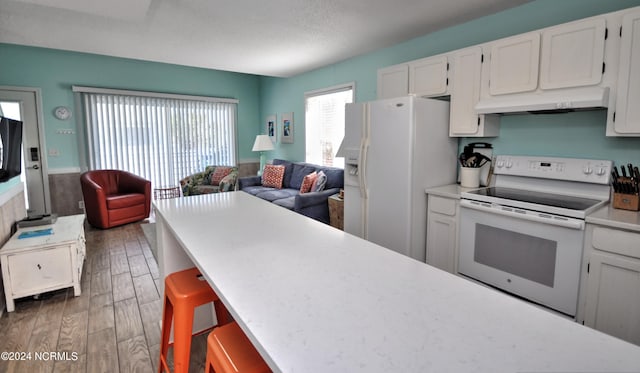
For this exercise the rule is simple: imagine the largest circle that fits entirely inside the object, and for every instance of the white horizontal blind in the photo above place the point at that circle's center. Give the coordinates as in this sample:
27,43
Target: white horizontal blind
324,124
160,139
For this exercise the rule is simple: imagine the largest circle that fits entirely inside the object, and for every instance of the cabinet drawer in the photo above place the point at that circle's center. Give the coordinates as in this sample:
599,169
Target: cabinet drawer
40,269
446,206
616,241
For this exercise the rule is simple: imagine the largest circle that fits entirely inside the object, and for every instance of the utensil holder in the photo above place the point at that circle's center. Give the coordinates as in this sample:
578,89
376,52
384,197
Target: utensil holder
626,201
470,177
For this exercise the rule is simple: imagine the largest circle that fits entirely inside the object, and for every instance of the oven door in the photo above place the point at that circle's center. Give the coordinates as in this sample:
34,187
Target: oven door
533,255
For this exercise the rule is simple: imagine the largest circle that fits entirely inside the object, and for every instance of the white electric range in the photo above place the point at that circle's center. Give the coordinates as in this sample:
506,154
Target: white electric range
525,234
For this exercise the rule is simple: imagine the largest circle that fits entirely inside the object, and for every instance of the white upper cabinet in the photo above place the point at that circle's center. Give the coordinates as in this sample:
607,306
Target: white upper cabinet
465,93
514,64
627,110
393,81
428,76
572,54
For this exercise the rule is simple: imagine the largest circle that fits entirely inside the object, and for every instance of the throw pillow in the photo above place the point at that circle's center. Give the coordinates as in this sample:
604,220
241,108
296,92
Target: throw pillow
307,182
219,174
319,183
272,176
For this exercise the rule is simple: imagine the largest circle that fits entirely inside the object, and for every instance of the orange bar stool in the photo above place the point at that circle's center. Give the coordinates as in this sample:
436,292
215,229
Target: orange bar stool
184,291
230,351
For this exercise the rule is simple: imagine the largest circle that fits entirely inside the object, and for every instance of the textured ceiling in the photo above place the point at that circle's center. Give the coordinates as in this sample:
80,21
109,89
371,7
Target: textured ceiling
273,37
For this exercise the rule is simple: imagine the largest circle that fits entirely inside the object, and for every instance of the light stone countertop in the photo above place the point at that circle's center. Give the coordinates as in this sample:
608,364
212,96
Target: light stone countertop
449,191
615,218
315,299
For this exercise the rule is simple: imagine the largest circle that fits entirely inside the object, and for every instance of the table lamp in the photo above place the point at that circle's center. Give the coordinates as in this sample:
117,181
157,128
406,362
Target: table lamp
262,144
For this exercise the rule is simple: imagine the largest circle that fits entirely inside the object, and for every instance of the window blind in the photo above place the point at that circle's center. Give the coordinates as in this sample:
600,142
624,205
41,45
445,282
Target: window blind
325,123
160,139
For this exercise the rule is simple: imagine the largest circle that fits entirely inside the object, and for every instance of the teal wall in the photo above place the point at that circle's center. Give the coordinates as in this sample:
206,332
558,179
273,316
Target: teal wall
570,135
55,71
573,135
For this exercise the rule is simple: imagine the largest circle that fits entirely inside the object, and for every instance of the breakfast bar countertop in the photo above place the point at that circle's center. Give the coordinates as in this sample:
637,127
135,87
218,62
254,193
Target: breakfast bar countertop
313,298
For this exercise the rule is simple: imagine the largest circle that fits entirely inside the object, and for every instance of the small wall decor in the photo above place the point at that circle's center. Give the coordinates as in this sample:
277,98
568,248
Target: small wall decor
287,128
271,128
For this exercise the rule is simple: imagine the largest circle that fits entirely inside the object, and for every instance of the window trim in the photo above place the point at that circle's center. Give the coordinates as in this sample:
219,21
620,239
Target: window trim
332,89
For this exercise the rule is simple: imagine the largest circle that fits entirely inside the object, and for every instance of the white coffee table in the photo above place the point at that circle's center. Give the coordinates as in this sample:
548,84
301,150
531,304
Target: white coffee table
39,264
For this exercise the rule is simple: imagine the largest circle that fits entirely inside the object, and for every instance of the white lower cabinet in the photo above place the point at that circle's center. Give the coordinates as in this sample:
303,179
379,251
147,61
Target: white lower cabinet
612,291
442,233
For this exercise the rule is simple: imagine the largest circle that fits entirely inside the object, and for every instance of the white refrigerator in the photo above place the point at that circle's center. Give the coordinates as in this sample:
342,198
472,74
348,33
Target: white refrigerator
393,150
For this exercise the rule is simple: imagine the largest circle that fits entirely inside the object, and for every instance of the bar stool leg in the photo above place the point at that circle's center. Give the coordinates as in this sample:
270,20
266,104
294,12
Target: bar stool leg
167,317
183,323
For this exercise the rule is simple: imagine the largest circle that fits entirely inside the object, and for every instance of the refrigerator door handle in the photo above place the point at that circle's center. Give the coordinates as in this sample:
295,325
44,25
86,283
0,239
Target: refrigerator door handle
362,167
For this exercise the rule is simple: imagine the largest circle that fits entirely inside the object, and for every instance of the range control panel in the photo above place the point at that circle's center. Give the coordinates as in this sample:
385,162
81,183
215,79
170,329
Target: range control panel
571,169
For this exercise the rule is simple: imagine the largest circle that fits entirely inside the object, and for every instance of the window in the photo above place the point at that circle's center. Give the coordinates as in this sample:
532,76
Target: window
324,124
162,138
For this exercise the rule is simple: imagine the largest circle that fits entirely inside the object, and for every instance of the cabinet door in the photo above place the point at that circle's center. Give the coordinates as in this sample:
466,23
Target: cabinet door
441,242
442,236
393,81
465,93
40,269
428,76
627,117
573,54
514,64
613,296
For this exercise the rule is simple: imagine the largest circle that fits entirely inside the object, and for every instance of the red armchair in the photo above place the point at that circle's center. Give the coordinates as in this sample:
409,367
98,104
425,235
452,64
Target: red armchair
114,197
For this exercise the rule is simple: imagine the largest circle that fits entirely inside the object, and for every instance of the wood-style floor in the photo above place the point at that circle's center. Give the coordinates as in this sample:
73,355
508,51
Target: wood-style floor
112,327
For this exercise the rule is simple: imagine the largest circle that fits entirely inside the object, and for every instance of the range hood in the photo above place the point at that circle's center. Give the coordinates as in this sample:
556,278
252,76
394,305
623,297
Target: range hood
546,101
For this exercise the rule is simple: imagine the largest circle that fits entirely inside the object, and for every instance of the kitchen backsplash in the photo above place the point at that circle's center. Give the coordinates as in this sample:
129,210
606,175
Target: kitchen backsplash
575,135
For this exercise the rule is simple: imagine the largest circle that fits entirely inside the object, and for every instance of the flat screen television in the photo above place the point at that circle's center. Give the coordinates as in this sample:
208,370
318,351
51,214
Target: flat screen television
10,148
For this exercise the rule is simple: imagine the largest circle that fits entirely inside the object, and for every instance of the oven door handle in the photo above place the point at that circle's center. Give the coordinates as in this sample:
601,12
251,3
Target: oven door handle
496,209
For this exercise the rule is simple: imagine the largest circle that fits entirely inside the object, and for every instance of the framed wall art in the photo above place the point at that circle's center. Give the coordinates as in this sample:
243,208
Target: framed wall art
287,128
271,128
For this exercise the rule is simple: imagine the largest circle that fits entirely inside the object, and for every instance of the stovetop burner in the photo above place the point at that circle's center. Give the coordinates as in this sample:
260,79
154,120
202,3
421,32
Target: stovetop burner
538,198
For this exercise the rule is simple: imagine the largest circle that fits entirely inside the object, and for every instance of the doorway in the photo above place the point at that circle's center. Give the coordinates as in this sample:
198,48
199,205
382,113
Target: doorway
24,104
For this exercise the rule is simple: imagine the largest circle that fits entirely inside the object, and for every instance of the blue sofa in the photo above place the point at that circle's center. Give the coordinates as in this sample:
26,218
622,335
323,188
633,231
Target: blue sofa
312,204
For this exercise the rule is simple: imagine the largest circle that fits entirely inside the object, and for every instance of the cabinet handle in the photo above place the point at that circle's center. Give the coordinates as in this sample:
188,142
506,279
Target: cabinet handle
39,267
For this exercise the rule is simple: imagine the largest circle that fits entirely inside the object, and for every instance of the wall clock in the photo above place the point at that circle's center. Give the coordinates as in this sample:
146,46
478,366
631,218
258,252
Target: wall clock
62,112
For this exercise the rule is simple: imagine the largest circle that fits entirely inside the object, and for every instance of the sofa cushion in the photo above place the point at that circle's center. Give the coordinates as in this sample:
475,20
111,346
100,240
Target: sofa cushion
272,195
256,189
299,171
335,177
288,168
272,176
206,174
219,174
229,182
288,202
307,182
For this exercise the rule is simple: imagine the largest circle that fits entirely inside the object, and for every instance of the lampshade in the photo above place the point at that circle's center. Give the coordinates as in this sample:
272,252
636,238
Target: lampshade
262,143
